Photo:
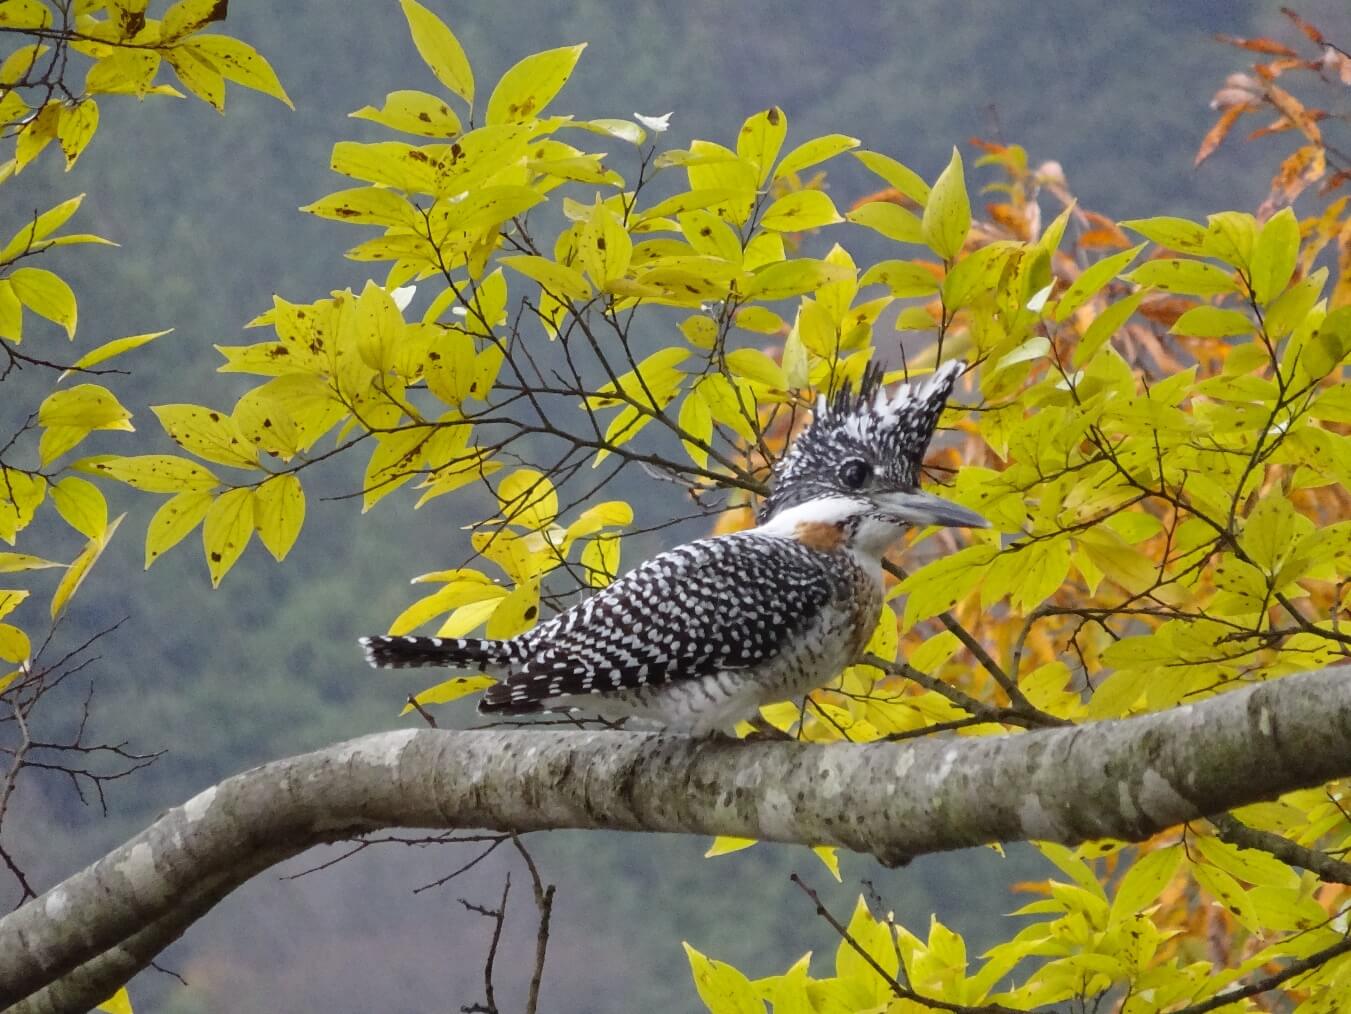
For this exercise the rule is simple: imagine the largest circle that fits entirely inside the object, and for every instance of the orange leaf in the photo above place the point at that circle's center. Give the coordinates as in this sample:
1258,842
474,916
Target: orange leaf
1309,30
1294,109
1216,133
1257,45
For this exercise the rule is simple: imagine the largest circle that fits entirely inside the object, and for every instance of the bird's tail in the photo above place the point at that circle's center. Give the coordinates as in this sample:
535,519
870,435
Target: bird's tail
415,652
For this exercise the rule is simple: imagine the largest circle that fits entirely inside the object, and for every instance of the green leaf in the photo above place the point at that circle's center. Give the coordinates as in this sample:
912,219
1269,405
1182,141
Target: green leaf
176,517
47,295
440,50
947,213
1144,882
891,220
813,152
1212,322
226,531
1092,280
531,84
1274,255
759,140
1188,277
1106,324
900,176
278,513
794,277
1174,233
800,211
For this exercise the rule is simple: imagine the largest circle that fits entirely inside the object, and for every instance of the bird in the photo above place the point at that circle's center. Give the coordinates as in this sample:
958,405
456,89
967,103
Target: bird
696,639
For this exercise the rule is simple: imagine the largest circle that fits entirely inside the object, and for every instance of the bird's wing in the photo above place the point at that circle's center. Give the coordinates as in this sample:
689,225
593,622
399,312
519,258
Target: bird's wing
722,603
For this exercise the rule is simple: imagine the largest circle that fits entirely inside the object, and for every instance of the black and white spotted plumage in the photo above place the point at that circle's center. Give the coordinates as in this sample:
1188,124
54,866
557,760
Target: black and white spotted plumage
699,637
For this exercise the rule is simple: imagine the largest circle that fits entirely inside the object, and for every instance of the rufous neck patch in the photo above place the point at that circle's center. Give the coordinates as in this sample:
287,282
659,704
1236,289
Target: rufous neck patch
823,536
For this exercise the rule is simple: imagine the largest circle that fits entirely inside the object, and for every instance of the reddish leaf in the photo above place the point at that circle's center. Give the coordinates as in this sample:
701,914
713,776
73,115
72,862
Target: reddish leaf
1276,126
1313,33
1216,133
888,196
1335,180
1095,238
1166,309
1257,45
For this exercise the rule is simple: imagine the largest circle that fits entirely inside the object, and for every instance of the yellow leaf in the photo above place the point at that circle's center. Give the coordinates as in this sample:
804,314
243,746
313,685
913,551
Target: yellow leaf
812,152
891,220
198,75
527,498
830,858
188,16
278,513
208,434
265,423
155,473
760,320
439,48
18,15
516,612
380,328
113,348
176,517
11,313
560,280
697,421
610,514
760,139
226,530
800,211
364,206
530,85
413,112
76,129
81,504
239,62
726,844
793,278
11,597
947,213
900,176
118,1003
752,364
1144,882
69,416
450,690
14,644
79,567
721,987
729,404
47,295
1188,277
12,562
600,559
1274,255
20,496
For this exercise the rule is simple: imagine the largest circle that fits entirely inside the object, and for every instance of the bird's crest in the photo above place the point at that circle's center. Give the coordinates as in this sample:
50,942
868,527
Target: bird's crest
891,432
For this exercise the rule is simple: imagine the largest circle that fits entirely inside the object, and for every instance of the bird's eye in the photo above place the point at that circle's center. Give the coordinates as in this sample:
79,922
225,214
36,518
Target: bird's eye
855,473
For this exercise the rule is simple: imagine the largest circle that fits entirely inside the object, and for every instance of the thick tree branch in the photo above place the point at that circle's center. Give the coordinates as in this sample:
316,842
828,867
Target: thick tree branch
1122,779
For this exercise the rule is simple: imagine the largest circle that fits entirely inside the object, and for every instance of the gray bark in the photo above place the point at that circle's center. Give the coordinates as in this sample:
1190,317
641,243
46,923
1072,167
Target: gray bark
1127,779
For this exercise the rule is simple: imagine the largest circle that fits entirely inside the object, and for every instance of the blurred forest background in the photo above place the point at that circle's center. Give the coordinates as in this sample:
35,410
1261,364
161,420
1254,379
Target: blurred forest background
205,211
